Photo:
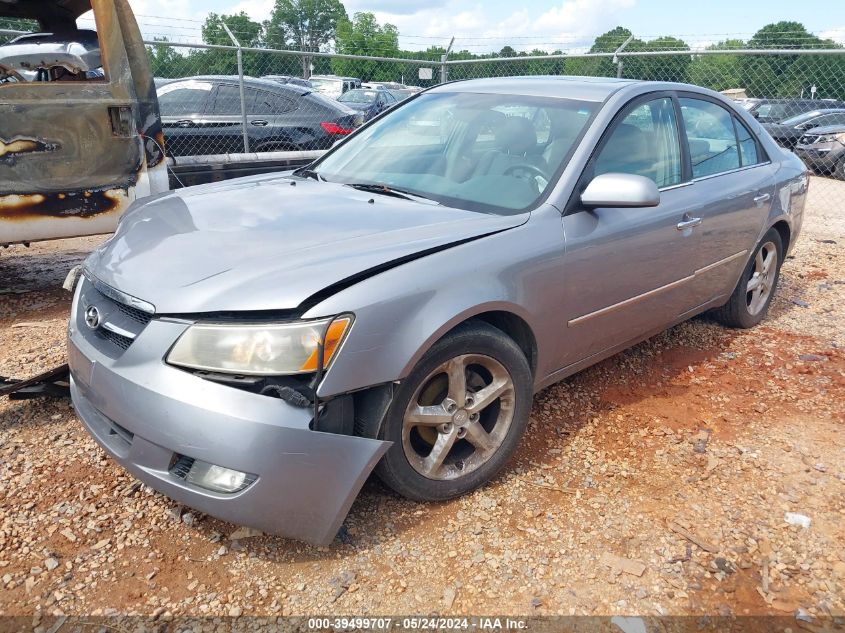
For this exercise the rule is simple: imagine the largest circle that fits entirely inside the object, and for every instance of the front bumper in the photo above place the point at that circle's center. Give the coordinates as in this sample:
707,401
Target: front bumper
146,414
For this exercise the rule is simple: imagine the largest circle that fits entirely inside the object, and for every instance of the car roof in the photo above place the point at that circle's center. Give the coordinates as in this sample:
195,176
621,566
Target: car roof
252,82
581,88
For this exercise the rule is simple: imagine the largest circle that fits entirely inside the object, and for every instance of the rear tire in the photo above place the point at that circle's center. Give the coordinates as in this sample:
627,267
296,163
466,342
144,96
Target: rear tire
839,170
458,416
752,296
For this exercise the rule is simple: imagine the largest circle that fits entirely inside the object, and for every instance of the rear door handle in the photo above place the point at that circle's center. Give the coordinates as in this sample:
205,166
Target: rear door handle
259,122
688,223
765,197
184,123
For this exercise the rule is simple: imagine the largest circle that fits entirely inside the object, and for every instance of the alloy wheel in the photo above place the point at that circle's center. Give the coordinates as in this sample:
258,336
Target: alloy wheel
760,285
458,417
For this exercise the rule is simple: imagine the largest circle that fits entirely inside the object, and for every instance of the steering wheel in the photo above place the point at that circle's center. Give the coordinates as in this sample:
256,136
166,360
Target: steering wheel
530,169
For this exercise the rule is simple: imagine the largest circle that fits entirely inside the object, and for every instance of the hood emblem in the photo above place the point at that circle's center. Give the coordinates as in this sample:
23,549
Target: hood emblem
92,317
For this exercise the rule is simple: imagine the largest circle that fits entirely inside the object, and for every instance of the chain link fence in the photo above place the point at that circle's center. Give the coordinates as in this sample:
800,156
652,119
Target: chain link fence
233,100
217,99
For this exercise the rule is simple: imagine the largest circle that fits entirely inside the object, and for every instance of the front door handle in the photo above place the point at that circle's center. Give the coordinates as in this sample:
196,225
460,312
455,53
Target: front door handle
259,122
758,200
184,123
688,223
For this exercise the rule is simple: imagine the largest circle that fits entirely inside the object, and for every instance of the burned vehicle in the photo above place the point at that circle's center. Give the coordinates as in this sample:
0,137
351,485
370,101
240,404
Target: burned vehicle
80,134
254,349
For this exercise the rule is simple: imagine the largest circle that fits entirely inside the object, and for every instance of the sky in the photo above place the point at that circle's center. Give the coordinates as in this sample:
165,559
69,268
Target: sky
485,25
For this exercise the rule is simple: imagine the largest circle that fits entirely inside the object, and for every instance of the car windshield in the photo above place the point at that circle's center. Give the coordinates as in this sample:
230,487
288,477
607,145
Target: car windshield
359,96
482,152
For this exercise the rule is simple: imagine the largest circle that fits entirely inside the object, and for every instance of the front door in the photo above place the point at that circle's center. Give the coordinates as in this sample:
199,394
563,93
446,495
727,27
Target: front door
627,271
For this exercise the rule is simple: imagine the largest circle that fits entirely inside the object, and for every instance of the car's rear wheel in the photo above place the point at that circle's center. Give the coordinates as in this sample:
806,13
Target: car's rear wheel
459,415
752,296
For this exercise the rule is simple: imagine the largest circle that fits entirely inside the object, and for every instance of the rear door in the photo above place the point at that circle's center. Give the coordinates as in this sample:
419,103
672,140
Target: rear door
72,153
731,193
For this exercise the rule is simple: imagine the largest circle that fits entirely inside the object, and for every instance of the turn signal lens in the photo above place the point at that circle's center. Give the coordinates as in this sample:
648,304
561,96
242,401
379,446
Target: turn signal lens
334,336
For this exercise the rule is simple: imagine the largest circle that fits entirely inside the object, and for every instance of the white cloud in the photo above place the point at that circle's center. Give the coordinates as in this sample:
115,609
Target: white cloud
837,35
569,24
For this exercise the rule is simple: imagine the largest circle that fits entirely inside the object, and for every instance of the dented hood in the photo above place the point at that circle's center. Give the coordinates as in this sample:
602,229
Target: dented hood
271,242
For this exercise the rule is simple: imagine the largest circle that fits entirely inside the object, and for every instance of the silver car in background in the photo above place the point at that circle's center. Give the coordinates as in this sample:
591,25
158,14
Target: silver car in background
256,348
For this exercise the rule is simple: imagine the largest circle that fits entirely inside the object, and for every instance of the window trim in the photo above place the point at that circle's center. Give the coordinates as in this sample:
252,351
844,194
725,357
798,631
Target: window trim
761,151
573,205
205,106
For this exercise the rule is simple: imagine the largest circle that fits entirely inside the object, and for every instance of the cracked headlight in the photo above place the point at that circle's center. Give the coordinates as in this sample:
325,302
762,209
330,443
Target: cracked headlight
259,349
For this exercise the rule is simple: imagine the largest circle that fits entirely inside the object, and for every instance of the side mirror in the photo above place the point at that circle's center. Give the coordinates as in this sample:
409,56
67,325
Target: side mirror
620,190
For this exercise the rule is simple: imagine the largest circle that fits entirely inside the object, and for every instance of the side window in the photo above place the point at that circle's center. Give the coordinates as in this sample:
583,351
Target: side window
644,143
711,136
183,99
228,100
268,103
747,145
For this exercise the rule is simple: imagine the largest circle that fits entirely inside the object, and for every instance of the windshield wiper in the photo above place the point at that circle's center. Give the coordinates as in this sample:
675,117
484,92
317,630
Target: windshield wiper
388,191
308,173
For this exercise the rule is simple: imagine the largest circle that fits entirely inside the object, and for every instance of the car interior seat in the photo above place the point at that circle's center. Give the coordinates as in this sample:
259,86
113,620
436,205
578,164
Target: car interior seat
515,139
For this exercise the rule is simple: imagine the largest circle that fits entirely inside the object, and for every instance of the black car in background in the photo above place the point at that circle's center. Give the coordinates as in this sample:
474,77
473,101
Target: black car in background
368,102
776,110
289,79
202,115
823,150
787,132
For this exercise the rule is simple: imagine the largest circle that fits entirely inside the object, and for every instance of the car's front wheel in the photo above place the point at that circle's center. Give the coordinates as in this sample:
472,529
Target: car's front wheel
752,296
459,415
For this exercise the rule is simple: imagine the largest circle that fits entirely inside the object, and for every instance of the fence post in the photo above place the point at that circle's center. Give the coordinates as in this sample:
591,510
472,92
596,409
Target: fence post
616,59
241,82
444,70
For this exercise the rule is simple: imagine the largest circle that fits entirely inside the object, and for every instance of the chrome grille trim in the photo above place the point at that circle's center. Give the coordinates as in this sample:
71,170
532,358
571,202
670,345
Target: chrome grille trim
119,296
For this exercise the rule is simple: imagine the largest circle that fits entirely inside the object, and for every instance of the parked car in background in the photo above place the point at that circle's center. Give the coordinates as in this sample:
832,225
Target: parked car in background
162,81
334,86
289,79
383,85
787,132
403,94
202,115
254,348
368,102
776,110
823,150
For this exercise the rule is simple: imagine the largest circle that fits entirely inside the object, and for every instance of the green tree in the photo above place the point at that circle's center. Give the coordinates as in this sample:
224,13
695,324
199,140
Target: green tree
363,35
16,24
657,68
306,25
718,71
785,75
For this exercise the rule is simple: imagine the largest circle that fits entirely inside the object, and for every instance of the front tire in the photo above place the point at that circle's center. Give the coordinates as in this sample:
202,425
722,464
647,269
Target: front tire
752,296
458,416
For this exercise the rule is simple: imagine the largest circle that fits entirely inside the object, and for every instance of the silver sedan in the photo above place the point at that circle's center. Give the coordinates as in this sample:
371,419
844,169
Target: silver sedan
256,348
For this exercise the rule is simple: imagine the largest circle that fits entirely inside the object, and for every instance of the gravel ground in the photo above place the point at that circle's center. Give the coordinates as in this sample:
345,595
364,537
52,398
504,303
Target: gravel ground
657,482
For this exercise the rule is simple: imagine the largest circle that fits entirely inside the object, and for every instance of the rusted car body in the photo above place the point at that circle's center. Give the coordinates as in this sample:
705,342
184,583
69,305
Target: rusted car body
75,154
